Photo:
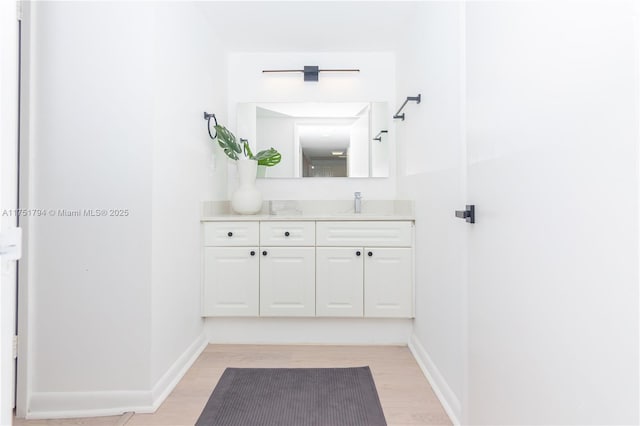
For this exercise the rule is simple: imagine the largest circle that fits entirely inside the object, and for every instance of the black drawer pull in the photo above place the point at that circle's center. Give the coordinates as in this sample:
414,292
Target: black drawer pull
253,253
264,253
229,234
358,253
370,254
286,234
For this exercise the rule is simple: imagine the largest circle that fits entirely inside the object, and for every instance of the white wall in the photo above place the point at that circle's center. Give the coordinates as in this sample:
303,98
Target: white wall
553,129
278,133
358,153
189,77
117,95
430,142
380,114
530,111
375,82
92,115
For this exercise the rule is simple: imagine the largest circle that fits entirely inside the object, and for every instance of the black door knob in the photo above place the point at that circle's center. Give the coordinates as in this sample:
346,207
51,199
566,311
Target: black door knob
370,254
264,253
253,253
229,234
358,253
286,234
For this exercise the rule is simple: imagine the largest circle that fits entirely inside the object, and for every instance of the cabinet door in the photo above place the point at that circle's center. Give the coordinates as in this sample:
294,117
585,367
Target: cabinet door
388,282
287,281
339,275
230,281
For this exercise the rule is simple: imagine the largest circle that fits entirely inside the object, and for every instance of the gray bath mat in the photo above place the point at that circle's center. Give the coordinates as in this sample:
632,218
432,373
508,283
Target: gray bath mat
294,397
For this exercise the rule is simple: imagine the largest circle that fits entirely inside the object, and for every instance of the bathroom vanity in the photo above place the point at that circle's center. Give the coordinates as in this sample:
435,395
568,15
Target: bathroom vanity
309,259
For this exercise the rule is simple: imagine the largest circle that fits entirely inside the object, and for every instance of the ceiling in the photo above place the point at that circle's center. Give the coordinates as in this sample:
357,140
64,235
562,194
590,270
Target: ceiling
271,26
322,140
312,109
326,126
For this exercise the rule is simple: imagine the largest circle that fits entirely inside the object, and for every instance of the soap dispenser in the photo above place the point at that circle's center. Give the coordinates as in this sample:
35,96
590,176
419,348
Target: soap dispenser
357,202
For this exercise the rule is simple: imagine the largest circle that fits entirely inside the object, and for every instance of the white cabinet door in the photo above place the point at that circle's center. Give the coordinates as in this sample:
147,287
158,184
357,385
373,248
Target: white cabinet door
388,282
230,281
339,281
287,281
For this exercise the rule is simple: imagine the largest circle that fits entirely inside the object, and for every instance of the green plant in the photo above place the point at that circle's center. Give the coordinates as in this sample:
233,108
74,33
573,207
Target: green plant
235,148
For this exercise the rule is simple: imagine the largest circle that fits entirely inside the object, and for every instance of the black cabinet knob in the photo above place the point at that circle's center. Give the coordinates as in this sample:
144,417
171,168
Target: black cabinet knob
358,253
370,254
253,253
229,234
264,253
286,234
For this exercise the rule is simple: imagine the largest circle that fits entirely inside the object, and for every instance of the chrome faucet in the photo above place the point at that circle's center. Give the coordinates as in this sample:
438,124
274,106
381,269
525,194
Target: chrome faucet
357,202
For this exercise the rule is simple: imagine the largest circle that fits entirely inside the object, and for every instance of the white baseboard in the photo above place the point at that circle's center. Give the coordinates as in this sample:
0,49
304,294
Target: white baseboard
55,405
309,331
176,372
448,399
58,405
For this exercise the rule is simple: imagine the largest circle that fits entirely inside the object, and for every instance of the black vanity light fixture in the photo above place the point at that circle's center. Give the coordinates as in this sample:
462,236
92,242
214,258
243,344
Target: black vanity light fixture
311,72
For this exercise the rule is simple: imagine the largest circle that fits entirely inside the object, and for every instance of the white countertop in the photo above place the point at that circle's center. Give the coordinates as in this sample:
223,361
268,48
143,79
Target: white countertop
312,210
273,217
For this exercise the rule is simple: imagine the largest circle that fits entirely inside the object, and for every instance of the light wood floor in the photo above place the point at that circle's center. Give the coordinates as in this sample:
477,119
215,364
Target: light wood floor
406,397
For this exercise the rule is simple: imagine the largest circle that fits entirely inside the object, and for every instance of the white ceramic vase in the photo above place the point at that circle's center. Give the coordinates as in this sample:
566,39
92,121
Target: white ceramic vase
247,199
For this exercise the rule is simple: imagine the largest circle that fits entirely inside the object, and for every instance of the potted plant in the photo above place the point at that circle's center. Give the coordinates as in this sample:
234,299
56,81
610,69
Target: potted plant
246,199
239,149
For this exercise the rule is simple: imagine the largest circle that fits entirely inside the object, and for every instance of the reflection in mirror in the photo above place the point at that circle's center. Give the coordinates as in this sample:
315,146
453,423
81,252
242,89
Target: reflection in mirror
319,139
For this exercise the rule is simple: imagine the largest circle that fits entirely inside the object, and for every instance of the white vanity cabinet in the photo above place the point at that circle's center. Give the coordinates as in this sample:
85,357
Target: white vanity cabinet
324,268
231,269
372,260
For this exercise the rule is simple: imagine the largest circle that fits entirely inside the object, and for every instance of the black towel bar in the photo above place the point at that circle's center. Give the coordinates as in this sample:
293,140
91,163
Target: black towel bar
417,99
379,135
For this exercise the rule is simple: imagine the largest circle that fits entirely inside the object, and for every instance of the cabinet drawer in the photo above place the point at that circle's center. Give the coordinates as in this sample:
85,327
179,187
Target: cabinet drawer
287,233
366,233
231,234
